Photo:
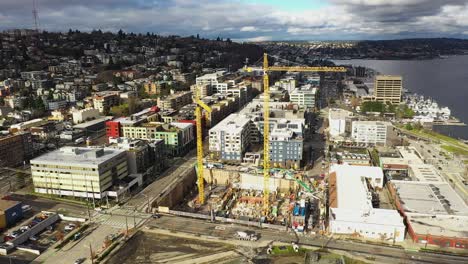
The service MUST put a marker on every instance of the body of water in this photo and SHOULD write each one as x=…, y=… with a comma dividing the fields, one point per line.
x=445, y=80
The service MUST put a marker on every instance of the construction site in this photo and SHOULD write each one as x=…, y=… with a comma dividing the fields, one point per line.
x=237, y=192
x=255, y=186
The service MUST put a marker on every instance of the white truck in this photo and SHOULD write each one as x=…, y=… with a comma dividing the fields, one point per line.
x=241, y=235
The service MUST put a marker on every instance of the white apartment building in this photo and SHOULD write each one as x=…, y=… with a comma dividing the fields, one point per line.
x=230, y=138
x=79, y=172
x=212, y=80
x=80, y=116
x=370, y=132
x=304, y=96
x=289, y=84
x=337, y=121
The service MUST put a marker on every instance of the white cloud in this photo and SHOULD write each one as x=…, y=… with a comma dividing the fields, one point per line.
x=248, y=29
x=239, y=20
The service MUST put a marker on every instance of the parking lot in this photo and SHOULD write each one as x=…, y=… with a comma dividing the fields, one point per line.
x=40, y=241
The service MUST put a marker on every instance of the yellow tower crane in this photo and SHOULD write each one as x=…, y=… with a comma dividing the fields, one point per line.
x=266, y=116
x=198, y=115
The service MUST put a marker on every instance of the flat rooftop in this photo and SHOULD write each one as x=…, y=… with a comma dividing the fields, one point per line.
x=430, y=198
x=6, y=204
x=447, y=226
x=425, y=173
x=351, y=188
x=337, y=113
x=350, y=200
x=92, y=122
x=80, y=156
x=234, y=123
x=410, y=154
x=375, y=216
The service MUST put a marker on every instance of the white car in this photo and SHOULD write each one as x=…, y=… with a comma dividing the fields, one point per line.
x=69, y=227
x=26, y=208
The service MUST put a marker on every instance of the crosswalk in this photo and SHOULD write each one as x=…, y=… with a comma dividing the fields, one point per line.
x=123, y=217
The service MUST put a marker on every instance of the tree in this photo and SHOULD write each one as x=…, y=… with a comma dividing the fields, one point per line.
x=120, y=110
x=373, y=107
x=132, y=105
x=354, y=102
x=20, y=179
x=408, y=126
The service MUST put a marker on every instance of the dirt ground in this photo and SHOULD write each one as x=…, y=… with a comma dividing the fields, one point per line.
x=152, y=248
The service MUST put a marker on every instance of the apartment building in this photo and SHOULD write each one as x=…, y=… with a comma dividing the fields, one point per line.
x=213, y=80
x=15, y=149
x=388, y=88
x=286, y=148
x=288, y=84
x=337, y=121
x=146, y=157
x=175, y=100
x=79, y=172
x=203, y=90
x=80, y=116
x=304, y=96
x=155, y=88
x=103, y=101
x=230, y=138
x=178, y=137
x=370, y=132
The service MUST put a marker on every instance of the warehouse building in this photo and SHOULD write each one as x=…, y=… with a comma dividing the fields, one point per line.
x=10, y=213
x=434, y=212
x=351, y=209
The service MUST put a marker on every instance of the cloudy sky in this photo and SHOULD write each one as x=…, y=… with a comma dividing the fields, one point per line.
x=249, y=19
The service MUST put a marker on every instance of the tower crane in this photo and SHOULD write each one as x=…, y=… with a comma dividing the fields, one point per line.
x=198, y=115
x=266, y=117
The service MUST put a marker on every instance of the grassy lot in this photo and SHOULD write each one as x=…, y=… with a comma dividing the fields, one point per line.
x=455, y=150
x=288, y=250
x=456, y=147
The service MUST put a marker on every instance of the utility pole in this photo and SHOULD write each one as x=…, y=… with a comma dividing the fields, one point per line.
x=91, y=254
x=126, y=225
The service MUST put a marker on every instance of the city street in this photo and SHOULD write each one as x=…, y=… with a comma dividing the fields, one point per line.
x=450, y=168
x=383, y=254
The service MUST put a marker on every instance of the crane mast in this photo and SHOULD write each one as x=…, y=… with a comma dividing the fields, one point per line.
x=266, y=135
x=199, y=130
x=266, y=118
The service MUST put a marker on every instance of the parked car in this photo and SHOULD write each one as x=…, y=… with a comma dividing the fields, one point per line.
x=69, y=227
x=26, y=208
x=77, y=236
x=156, y=216
x=15, y=234
x=79, y=261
